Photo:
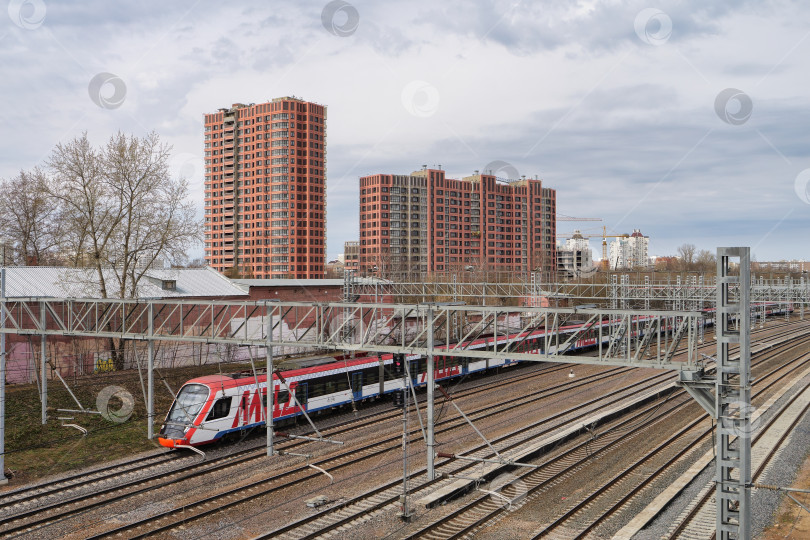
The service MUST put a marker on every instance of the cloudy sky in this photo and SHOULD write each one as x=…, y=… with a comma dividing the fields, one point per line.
x=688, y=121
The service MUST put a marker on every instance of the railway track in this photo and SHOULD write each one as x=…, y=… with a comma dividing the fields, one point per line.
x=578, y=520
x=15, y=503
x=378, y=498
x=698, y=519
x=277, y=483
x=59, y=506
x=94, y=476
x=553, y=470
x=16, y=498
x=194, y=469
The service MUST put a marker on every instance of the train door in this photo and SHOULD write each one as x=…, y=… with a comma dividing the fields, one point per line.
x=357, y=384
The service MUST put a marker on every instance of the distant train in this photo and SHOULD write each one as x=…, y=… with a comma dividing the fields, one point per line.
x=210, y=408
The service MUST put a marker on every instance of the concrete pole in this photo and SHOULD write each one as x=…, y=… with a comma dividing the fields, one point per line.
x=150, y=382
x=406, y=382
x=3, y=479
x=150, y=379
x=271, y=394
x=431, y=383
x=44, y=377
x=43, y=366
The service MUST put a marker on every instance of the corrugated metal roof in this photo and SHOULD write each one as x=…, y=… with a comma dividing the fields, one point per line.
x=57, y=282
x=338, y=282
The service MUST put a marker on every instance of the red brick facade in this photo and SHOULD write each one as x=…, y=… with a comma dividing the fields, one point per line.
x=265, y=189
x=414, y=224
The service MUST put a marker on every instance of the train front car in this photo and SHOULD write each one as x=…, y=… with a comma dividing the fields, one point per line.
x=184, y=416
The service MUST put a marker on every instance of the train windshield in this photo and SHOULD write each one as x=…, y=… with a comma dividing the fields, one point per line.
x=189, y=401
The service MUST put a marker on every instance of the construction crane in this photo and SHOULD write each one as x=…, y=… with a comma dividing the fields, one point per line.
x=604, y=236
x=563, y=217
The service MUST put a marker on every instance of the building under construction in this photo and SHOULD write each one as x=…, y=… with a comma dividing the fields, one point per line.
x=424, y=222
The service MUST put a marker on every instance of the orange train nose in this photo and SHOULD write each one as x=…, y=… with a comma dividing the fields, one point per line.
x=171, y=443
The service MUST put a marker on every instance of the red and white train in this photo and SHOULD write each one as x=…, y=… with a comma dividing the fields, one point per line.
x=215, y=406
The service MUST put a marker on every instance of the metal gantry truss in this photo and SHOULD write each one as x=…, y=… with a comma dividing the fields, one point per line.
x=456, y=329
x=619, y=291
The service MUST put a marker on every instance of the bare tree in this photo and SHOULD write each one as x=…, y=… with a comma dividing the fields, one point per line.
x=706, y=261
x=29, y=219
x=686, y=252
x=127, y=213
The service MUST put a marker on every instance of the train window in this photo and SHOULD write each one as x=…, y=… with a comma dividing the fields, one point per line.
x=331, y=388
x=371, y=375
x=283, y=397
x=301, y=394
x=342, y=383
x=317, y=388
x=188, y=403
x=220, y=409
x=389, y=373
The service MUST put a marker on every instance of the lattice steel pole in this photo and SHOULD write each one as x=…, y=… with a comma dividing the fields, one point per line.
x=733, y=398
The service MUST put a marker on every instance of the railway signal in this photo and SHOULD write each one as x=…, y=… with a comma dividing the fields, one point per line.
x=399, y=399
x=399, y=364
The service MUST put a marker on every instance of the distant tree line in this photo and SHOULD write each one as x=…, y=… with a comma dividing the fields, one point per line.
x=688, y=259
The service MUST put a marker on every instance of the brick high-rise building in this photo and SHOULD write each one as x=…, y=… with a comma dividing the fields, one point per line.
x=424, y=222
x=265, y=189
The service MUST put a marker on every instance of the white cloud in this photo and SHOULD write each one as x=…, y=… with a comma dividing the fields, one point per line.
x=623, y=130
